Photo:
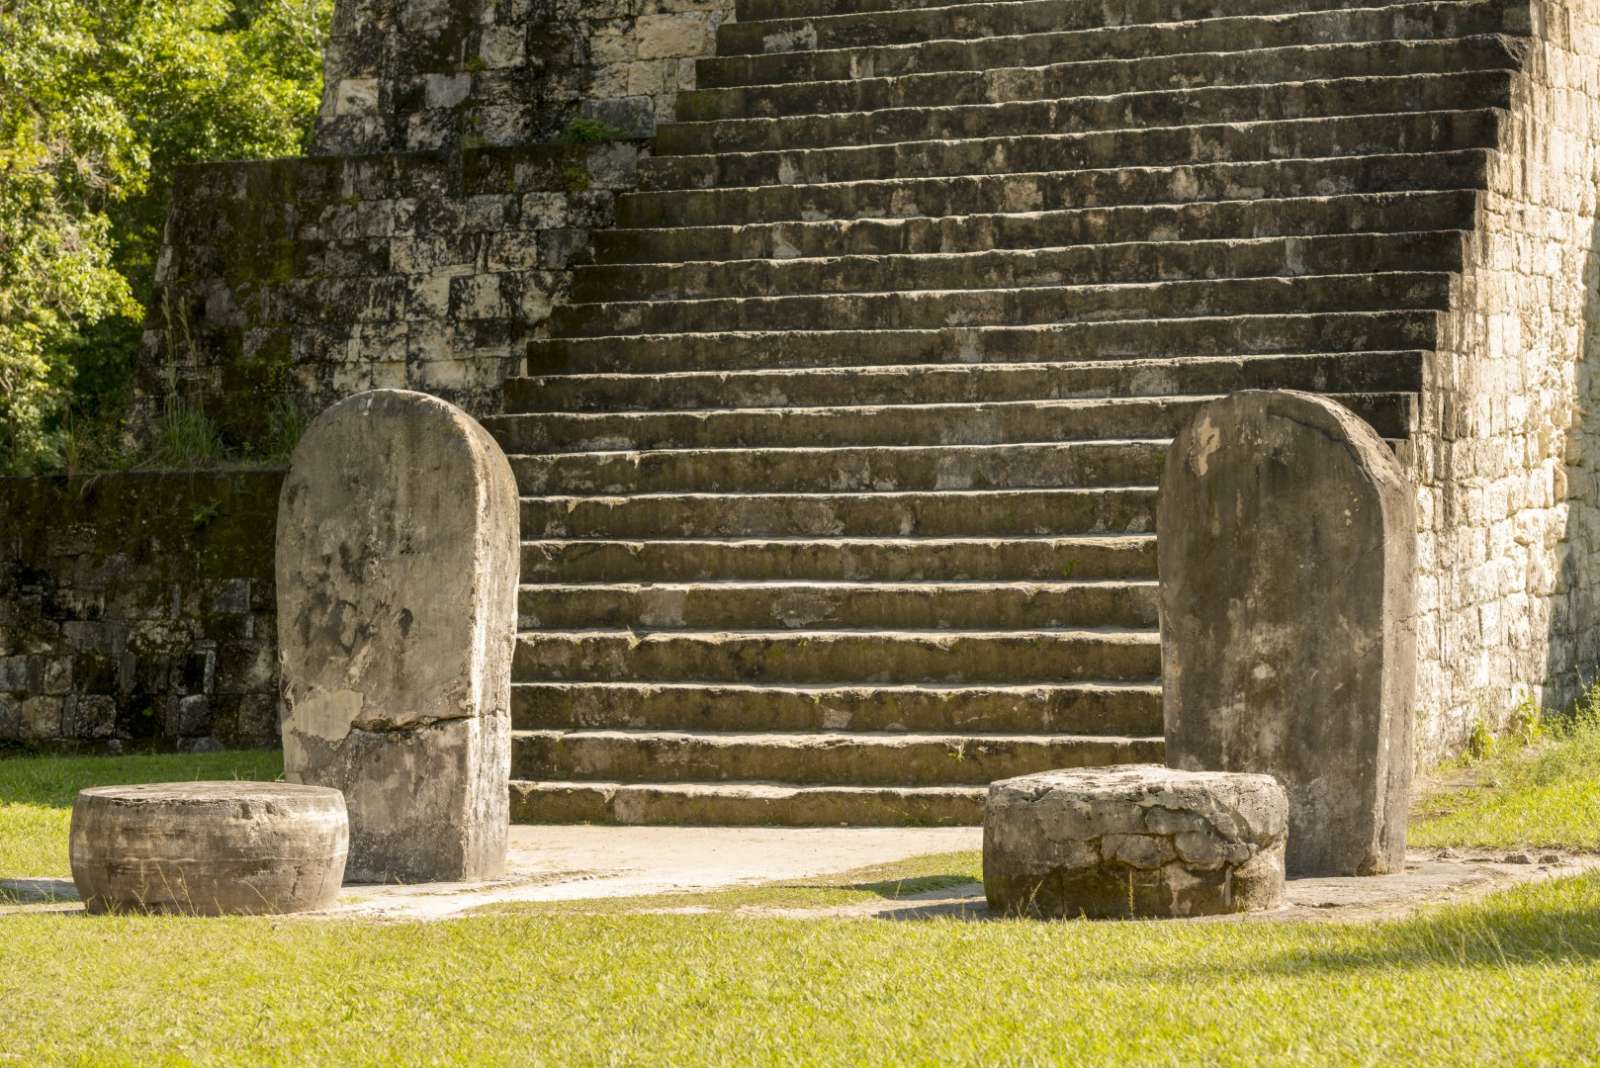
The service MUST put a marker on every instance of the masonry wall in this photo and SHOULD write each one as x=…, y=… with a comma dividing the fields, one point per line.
x=436, y=226
x=432, y=74
x=301, y=281
x=1508, y=458
x=139, y=608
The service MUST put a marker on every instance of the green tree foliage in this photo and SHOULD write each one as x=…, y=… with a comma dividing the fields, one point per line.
x=100, y=100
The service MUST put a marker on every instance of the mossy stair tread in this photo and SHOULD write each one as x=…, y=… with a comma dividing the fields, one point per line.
x=1104, y=77
x=1124, y=262
x=1395, y=22
x=1377, y=372
x=1275, y=101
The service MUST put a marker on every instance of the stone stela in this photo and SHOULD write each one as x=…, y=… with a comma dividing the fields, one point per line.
x=397, y=579
x=1287, y=553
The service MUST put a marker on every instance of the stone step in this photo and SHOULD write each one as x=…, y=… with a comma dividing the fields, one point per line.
x=760, y=10
x=745, y=804
x=1104, y=77
x=1033, y=211
x=1080, y=114
x=822, y=430
x=842, y=559
x=853, y=605
x=628, y=437
x=945, y=514
x=864, y=469
x=1222, y=335
x=1345, y=372
x=839, y=656
x=1122, y=262
x=1076, y=708
x=1418, y=21
x=1345, y=135
x=563, y=450
x=794, y=32
x=932, y=309
x=823, y=758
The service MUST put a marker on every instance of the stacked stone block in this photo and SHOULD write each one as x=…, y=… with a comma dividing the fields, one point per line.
x=308, y=280
x=138, y=608
x=432, y=74
x=1505, y=452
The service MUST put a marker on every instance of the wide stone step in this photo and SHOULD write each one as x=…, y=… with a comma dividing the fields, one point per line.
x=1069, y=708
x=1344, y=372
x=793, y=31
x=1081, y=113
x=839, y=656
x=822, y=430
x=1034, y=211
x=550, y=448
x=1357, y=135
x=942, y=514
x=821, y=758
x=841, y=559
x=1103, y=77
x=760, y=10
x=1138, y=261
x=933, y=309
x=745, y=804
x=855, y=605
x=871, y=468
x=1397, y=22
x=1270, y=198
x=1220, y=335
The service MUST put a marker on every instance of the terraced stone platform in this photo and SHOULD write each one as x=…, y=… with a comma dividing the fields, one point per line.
x=839, y=471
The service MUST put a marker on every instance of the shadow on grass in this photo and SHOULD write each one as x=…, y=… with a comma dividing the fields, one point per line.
x=1555, y=923
x=899, y=889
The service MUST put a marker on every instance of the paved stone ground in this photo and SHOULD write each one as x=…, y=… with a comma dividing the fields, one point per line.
x=560, y=863
x=574, y=863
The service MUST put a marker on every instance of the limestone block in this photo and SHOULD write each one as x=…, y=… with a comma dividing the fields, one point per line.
x=208, y=848
x=663, y=36
x=1286, y=551
x=1135, y=840
x=397, y=574
x=356, y=96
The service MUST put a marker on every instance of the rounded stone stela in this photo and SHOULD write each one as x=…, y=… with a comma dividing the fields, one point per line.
x=1134, y=841
x=209, y=848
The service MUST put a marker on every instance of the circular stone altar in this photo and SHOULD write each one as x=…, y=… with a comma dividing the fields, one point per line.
x=209, y=848
x=1135, y=840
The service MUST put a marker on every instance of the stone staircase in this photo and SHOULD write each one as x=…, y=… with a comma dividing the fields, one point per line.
x=839, y=470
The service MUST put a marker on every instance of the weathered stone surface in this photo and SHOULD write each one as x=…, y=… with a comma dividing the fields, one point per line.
x=209, y=848
x=504, y=73
x=138, y=605
x=1134, y=841
x=1287, y=553
x=300, y=282
x=397, y=575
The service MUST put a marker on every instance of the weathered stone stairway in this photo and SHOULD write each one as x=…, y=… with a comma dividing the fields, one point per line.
x=839, y=470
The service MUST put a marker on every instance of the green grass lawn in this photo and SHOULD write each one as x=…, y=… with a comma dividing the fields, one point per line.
x=1512, y=979
x=36, y=796
x=1542, y=795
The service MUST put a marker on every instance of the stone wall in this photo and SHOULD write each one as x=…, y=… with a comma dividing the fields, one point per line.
x=1506, y=458
x=306, y=280
x=138, y=607
x=432, y=74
